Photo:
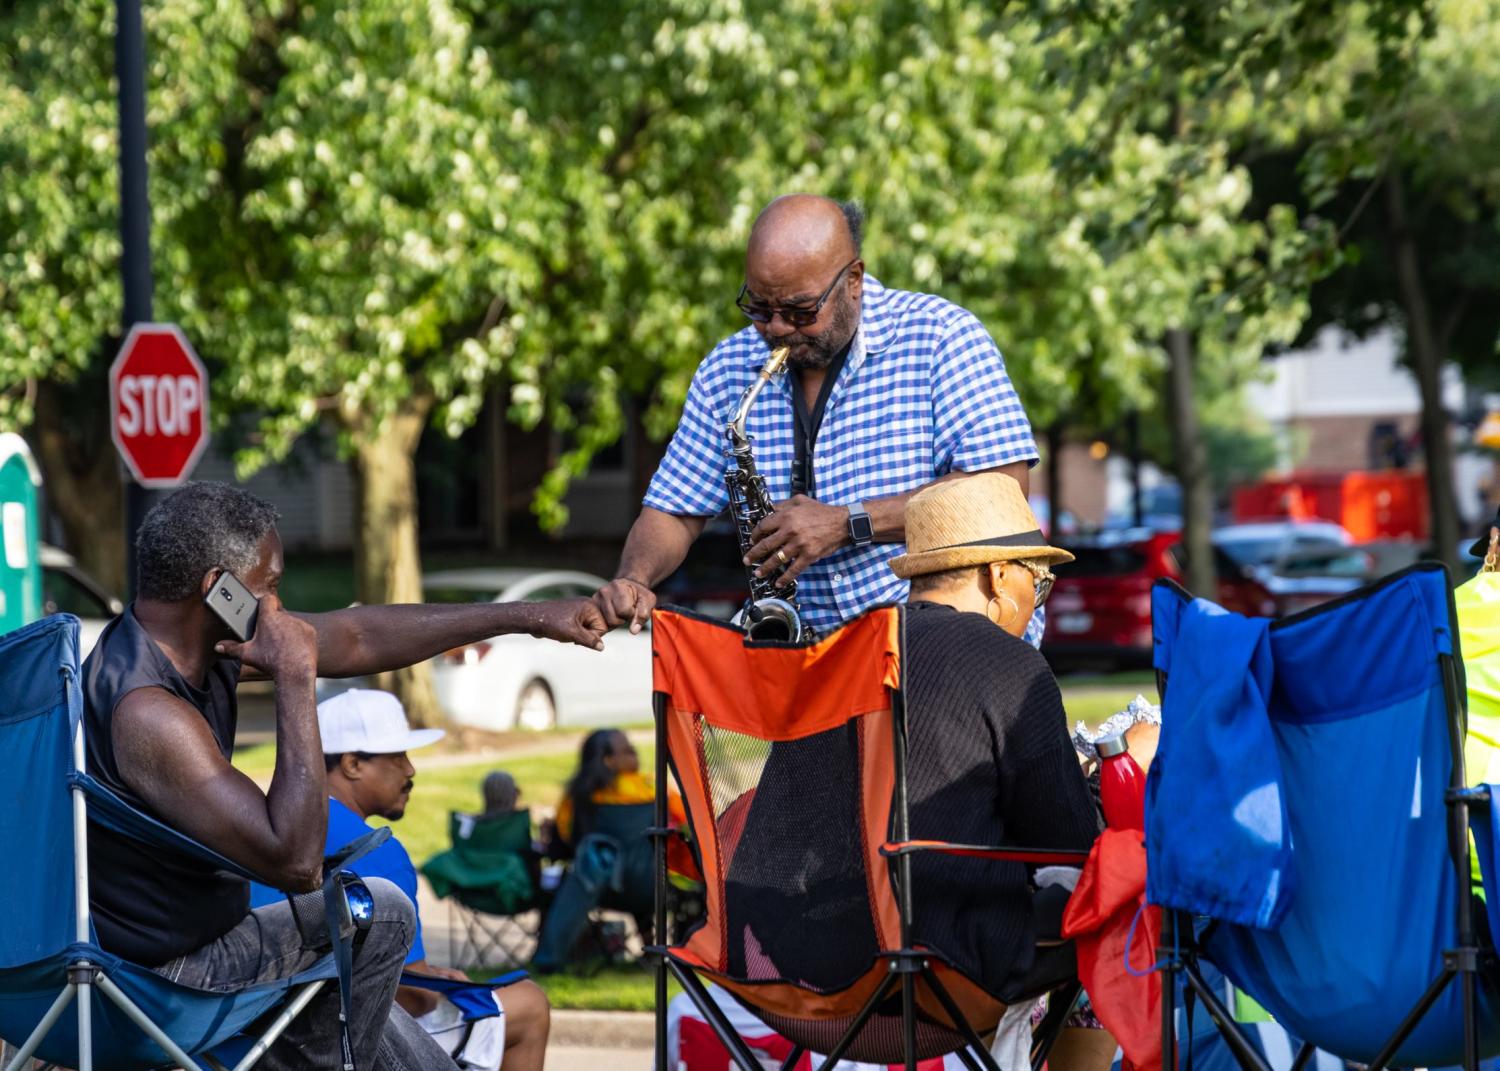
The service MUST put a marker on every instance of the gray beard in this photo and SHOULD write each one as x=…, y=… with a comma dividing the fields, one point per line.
x=817, y=353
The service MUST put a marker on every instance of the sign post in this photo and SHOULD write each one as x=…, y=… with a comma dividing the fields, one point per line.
x=158, y=405
x=135, y=219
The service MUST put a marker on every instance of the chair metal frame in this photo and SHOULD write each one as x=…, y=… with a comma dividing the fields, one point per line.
x=907, y=965
x=481, y=932
x=84, y=977
x=1181, y=947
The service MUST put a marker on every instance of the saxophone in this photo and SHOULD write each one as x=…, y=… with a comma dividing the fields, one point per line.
x=770, y=613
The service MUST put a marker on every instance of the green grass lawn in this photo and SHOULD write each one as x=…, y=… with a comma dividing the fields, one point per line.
x=626, y=988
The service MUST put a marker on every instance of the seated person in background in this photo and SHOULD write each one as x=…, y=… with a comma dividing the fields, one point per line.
x=612, y=865
x=365, y=740
x=492, y=864
x=989, y=762
x=160, y=706
x=501, y=794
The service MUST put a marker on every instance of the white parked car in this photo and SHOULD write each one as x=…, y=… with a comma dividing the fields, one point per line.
x=67, y=589
x=509, y=682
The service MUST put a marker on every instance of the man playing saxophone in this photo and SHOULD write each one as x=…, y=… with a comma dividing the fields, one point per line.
x=887, y=392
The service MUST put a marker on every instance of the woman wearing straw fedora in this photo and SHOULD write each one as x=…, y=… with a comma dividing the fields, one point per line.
x=974, y=545
x=991, y=758
x=989, y=761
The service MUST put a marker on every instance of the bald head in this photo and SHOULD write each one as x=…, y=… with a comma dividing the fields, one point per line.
x=804, y=248
x=805, y=226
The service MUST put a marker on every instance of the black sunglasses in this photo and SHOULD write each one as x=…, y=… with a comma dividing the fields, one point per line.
x=796, y=315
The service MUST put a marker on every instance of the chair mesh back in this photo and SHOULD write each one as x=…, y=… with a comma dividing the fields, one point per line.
x=796, y=889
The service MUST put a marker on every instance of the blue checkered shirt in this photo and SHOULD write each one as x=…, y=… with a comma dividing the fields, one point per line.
x=922, y=393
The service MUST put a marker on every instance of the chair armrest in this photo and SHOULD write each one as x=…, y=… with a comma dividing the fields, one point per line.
x=474, y=1000
x=1036, y=856
x=357, y=848
x=113, y=813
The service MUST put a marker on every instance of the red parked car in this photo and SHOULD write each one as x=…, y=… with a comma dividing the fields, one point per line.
x=1100, y=608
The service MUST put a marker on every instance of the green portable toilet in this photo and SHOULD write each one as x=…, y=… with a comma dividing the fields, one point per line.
x=20, y=567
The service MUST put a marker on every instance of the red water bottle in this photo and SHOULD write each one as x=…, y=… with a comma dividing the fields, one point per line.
x=1122, y=785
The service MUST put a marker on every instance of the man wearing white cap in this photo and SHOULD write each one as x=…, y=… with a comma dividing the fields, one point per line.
x=365, y=740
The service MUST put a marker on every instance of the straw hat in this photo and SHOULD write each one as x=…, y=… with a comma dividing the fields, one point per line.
x=971, y=521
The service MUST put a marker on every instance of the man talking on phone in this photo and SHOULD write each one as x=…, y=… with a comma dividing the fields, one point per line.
x=159, y=702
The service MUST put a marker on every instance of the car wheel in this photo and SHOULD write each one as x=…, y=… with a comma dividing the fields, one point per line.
x=535, y=708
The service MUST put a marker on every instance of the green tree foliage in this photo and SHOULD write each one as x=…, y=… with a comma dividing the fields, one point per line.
x=59, y=230
x=1411, y=178
x=1207, y=86
x=369, y=214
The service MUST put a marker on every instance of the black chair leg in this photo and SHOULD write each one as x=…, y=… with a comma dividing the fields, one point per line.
x=1413, y=1018
x=832, y=1059
x=1060, y=1005
x=976, y=1048
x=909, y=1019
x=1229, y=1030
x=966, y=1057
x=729, y=1037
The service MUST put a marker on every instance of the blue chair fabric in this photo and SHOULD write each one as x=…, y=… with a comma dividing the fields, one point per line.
x=40, y=709
x=474, y=1000
x=1362, y=716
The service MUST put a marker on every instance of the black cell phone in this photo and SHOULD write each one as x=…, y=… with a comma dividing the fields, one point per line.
x=232, y=603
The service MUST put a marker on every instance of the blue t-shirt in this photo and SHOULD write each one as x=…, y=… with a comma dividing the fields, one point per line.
x=388, y=861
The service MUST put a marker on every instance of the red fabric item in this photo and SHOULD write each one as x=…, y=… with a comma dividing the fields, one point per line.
x=699, y=1049
x=1109, y=894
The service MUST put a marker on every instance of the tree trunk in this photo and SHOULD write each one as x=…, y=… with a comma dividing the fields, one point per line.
x=1427, y=362
x=81, y=476
x=1054, y=440
x=1192, y=466
x=386, y=564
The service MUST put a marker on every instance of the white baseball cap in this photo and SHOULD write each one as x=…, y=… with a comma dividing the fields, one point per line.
x=368, y=720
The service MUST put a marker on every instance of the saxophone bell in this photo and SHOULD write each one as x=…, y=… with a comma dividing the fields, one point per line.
x=771, y=619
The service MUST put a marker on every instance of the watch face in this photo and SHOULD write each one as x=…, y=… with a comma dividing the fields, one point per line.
x=861, y=528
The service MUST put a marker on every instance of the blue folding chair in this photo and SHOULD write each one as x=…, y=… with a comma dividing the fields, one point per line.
x=49, y=954
x=1366, y=710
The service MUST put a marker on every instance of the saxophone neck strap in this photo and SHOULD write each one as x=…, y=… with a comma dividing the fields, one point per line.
x=808, y=423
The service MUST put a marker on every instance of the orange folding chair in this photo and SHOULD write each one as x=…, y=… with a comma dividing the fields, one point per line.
x=791, y=759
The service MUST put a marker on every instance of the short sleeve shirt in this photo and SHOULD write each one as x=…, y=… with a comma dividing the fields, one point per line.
x=924, y=392
x=388, y=861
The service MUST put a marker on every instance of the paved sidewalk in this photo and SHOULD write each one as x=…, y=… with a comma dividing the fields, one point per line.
x=600, y=1041
x=567, y=1058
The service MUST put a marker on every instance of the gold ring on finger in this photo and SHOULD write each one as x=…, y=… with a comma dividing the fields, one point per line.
x=781, y=557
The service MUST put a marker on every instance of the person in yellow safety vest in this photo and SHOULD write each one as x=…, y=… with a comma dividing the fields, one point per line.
x=1478, y=604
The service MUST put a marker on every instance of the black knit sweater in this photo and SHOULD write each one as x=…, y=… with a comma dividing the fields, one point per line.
x=990, y=763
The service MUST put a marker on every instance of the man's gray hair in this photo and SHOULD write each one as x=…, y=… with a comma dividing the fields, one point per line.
x=196, y=529
x=854, y=216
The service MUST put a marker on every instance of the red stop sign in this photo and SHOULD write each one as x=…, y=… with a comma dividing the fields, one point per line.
x=158, y=405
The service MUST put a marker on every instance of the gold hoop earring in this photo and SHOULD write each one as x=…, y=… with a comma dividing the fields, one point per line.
x=1492, y=559
x=1000, y=619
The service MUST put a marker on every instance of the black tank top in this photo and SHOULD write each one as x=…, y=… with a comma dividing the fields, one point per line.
x=151, y=905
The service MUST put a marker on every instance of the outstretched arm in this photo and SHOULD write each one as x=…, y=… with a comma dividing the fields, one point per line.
x=656, y=545
x=373, y=639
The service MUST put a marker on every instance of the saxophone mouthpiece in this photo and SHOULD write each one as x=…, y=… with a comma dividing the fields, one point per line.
x=776, y=362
